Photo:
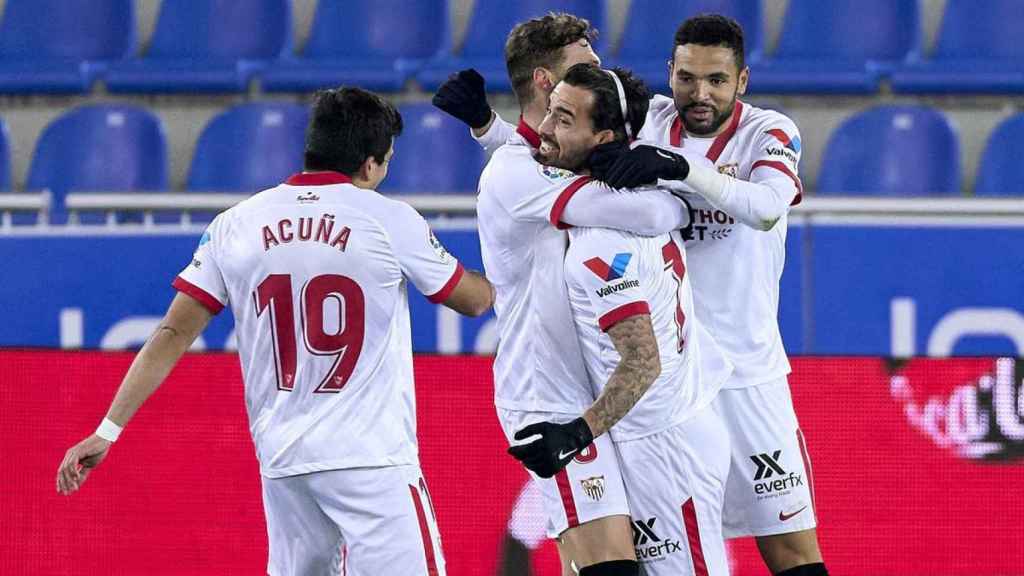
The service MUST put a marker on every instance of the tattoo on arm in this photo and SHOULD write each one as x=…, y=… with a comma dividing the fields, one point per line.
x=639, y=367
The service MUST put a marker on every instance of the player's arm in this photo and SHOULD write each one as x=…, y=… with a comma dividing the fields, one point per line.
x=473, y=295
x=184, y=321
x=639, y=366
x=463, y=96
x=647, y=211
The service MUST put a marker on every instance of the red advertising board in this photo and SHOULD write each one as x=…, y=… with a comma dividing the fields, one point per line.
x=918, y=469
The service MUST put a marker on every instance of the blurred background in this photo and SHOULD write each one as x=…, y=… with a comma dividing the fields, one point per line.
x=125, y=125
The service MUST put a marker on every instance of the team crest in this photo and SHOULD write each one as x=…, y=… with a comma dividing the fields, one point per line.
x=593, y=487
x=553, y=173
x=731, y=169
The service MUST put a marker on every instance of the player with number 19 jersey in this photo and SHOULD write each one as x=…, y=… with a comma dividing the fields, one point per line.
x=314, y=270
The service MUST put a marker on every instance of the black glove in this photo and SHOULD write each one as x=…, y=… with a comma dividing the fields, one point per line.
x=644, y=165
x=604, y=156
x=555, y=448
x=463, y=97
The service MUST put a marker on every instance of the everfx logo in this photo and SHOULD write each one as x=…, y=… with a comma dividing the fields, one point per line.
x=649, y=546
x=643, y=532
x=767, y=465
x=608, y=272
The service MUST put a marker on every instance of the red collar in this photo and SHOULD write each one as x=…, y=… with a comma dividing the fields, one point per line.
x=529, y=134
x=675, y=133
x=317, y=179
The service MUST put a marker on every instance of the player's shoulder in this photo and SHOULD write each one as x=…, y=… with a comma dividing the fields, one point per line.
x=514, y=167
x=762, y=120
x=661, y=111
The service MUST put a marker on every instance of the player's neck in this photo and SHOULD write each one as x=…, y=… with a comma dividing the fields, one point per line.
x=533, y=115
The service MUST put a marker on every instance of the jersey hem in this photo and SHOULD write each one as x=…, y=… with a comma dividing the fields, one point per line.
x=733, y=382
x=332, y=465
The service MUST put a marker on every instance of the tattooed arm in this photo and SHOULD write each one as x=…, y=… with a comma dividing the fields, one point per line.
x=639, y=366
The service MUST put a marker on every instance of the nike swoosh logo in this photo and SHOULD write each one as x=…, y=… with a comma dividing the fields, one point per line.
x=564, y=455
x=663, y=155
x=783, y=517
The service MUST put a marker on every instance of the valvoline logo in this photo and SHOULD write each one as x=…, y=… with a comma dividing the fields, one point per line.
x=791, y=143
x=606, y=272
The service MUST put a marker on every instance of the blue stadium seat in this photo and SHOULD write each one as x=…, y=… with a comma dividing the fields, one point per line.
x=377, y=45
x=5, y=158
x=484, y=45
x=892, y=151
x=651, y=26
x=979, y=49
x=1001, y=172
x=59, y=46
x=435, y=153
x=249, y=148
x=99, y=148
x=839, y=46
x=207, y=46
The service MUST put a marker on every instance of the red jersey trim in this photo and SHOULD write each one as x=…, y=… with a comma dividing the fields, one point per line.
x=529, y=134
x=449, y=286
x=428, y=540
x=700, y=566
x=317, y=179
x=197, y=293
x=621, y=313
x=675, y=133
x=785, y=170
x=563, y=200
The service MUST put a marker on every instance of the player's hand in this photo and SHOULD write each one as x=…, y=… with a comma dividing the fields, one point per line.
x=604, y=156
x=557, y=445
x=463, y=97
x=79, y=461
x=645, y=165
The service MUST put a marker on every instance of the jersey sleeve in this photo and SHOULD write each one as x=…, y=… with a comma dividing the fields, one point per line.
x=605, y=264
x=777, y=152
x=202, y=278
x=424, y=260
x=498, y=133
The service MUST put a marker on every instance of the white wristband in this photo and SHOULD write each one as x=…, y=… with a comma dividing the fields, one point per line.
x=108, y=430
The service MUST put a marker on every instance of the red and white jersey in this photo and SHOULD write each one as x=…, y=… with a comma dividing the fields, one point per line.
x=615, y=275
x=315, y=272
x=736, y=269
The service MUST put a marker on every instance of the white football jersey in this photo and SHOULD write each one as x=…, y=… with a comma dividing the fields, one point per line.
x=314, y=271
x=736, y=269
x=615, y=275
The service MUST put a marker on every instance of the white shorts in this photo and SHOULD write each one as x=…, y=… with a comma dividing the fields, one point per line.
x=590, y=487
x=372, y=520
x=675, y=481
x=770, y=484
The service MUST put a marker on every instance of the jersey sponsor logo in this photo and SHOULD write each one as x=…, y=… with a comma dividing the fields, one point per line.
x=708, y=224
x=771, y=479
x=307, y=198
x=608, y=272
x=649, y=546
x=205, y=238
x=593, y=487
x=792, y=144
x=552, y=173
x=563, y=455
x=783, y=516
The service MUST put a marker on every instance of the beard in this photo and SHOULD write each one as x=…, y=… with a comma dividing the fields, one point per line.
x=573, y=161
x=703, y=129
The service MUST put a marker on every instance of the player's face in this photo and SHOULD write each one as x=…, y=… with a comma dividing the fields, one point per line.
x=567, y=134
x=705, y=83
x=377, y=172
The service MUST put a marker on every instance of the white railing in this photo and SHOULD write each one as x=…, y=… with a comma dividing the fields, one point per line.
x=842, y=209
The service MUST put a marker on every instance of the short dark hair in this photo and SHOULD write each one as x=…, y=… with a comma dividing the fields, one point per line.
x=347, y=126
x=712, y=30
x=606, y=114
x=537, y=43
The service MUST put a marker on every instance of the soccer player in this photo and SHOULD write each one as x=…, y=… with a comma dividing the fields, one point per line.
x=539, y=372
x=655, y=367
x=744, y=185
x=315, y=271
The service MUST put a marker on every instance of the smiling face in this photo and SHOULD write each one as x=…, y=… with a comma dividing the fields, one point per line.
x=567, y=133
x=705, y=83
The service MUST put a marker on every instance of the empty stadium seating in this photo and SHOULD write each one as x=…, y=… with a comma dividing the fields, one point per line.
x=979, y=50
x=892, y=151
x=59, y=46
x=839, y=46
x=206, y=46
x=486, y=32
x=1001, y=172
x=5, y=158
x=377, y=45
x=647, y=39
x=99, y=148
x=435, y=153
